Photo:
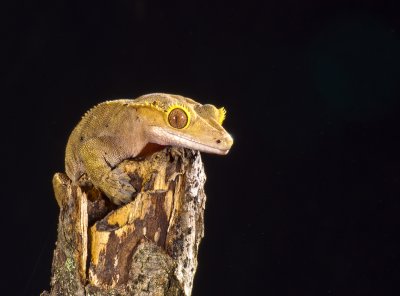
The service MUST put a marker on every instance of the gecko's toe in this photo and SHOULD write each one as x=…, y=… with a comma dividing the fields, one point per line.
x=118, y=188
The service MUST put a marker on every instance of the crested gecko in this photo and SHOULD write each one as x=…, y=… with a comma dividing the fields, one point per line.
x=121, y=129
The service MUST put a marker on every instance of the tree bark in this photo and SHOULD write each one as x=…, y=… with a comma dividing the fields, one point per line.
x=146, y=247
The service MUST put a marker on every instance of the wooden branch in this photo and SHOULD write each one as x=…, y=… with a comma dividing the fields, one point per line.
x=146, y=247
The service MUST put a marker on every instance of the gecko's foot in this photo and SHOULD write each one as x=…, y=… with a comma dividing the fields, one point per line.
x=117, y=187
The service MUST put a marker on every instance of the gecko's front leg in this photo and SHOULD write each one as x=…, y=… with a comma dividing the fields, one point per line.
x=100, y=157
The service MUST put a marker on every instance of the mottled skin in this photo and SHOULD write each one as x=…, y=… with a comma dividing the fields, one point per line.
x=117, y=130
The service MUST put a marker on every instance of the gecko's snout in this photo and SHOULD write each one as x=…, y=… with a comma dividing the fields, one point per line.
x=224, y=144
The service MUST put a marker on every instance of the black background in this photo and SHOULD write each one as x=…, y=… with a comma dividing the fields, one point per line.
x=307, y=201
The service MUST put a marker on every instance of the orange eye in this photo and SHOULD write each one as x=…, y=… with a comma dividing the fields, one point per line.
x=178, y=118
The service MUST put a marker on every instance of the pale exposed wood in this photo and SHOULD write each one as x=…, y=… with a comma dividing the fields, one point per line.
x=146, y=247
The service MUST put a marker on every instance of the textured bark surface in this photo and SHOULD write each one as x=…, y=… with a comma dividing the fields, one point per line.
x=146, y=247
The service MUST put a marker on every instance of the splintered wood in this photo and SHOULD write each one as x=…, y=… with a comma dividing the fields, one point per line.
x=146, y=247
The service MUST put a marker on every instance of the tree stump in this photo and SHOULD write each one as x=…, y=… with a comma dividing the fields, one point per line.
x=146, y=247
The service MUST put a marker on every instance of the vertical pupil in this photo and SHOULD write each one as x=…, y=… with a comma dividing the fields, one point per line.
x=177, y=118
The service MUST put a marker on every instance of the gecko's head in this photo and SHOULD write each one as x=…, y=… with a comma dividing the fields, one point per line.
x=179, y=121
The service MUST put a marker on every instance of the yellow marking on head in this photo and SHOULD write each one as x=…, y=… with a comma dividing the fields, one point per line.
x=181, y=107
x=153, y=105
x=222, y=115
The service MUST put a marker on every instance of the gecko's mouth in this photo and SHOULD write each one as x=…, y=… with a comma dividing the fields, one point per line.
x=164, y=138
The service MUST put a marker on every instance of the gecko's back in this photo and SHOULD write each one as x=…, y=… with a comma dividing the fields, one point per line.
x=97, y=122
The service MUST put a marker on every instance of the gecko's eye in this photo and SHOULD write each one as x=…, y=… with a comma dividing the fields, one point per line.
x=178, y=118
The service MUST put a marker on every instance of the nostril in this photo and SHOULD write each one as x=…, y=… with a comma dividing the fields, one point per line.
x=218, y=141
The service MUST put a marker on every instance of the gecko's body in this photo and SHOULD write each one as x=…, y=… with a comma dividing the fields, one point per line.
x=117, y=130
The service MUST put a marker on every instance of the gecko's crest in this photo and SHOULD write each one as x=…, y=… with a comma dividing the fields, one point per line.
x=222, y=115
x=153, y=105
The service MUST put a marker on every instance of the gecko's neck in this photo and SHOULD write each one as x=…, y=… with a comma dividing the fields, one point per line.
x=149, y=149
